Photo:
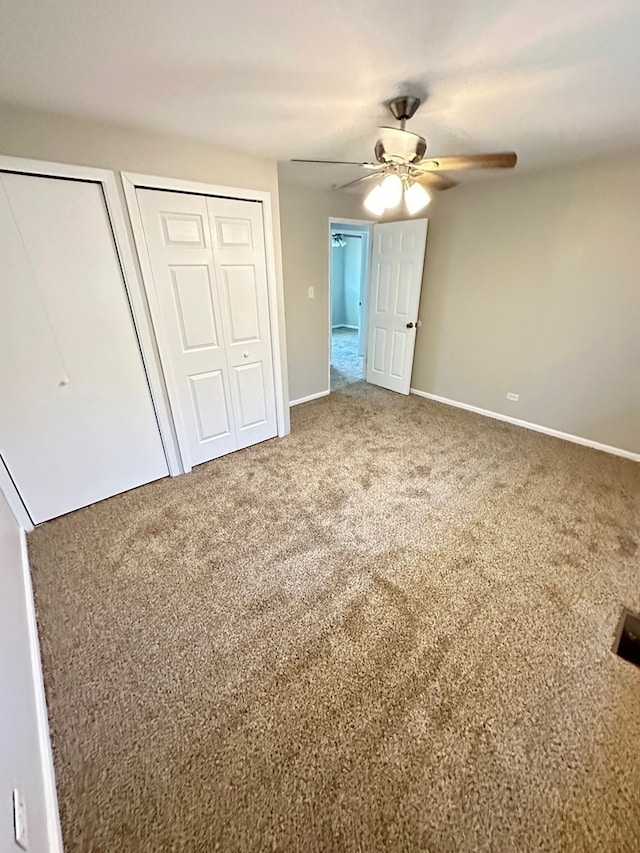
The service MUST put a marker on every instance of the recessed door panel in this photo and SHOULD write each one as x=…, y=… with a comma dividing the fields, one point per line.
x=182, y=229
x=398, y=351
x=385, y=242
x=210, y=405
x=251, y=393
x=383, y=283
x=379, y=345
x=403, y=290
x=234, y=233
x=240, y=290
x=194, y=306
x=408, y=241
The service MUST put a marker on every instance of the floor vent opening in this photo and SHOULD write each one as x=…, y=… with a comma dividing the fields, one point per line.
x=627, y=645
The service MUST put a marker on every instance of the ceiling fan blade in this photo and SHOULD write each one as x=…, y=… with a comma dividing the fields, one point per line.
x=502, y=160
x=433, y=181
x=360, y=180
x=339, y=163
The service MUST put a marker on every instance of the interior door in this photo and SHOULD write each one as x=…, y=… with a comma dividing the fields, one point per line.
x=77, y=423
x=394, y=296
x=207, y=256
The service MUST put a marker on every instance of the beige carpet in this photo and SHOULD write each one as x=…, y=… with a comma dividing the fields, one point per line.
x=346, y=365
x=390, y=631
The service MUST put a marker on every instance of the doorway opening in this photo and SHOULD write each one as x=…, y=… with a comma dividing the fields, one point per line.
x=349, y=246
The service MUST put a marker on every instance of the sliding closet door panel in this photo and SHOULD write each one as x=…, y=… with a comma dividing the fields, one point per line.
x=237, y=232
x=178, y=242
x=77, y=422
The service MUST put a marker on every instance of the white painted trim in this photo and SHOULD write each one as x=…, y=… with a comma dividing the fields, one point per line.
x=135, y=217
x=130, y=182
x=14, y=499
x=367, y=226
x=54, y=832
x=309, y=398
x=48, y=169
x=135, y=292
x=565, y=436
x=157, y=182
x=340, y=220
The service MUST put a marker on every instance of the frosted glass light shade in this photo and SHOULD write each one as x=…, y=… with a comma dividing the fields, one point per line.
x=374, y=202
x=391, y=190
x=416, y=198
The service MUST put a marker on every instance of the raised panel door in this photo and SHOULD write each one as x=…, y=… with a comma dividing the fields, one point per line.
x=239, y=253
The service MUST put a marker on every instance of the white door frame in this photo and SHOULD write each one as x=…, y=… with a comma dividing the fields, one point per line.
x=137, y=304
x=367, y=225
x=133, y=180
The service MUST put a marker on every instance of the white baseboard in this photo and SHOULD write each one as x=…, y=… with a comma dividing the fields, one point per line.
x=54, y=832
x=565, y=436
x=308, y=399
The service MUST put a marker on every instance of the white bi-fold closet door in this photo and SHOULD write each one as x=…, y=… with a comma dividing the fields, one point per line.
x=77, y=423
x=210, y=306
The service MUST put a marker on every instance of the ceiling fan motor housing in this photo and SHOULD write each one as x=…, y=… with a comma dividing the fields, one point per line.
x=399, y=146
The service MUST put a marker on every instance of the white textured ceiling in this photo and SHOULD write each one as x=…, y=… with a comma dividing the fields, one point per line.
x=554, y=80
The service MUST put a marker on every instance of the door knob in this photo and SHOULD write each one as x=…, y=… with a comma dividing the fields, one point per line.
x=409, y=325
x=246, y=355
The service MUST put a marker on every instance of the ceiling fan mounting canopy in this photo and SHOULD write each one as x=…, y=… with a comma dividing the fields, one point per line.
x=404, y=107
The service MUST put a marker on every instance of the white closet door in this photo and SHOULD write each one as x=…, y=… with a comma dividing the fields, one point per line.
x=239, y=254
x=193, y=356
x=207, y=257
x=77, y=422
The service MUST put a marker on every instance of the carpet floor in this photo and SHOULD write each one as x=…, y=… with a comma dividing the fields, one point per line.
x=389, y=631
x=347, y=366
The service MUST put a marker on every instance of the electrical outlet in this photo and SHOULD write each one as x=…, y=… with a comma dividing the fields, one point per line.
x=20, y=819
x=311, y=293
x=513, y=397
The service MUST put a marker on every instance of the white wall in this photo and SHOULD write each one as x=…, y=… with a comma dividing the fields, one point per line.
x=532, y=285
x=21, y=763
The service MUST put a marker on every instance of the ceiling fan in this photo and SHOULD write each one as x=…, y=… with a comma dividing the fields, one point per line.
x=401, y=166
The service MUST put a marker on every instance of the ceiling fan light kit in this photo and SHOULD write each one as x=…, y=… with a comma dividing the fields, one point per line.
x=374, y=201
x=401, y=165
x=391, y=187
x=388, y=194
x=416, y=198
